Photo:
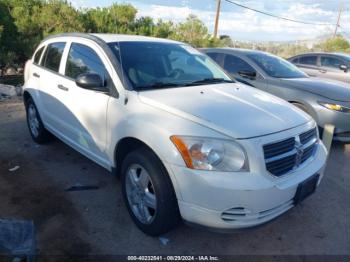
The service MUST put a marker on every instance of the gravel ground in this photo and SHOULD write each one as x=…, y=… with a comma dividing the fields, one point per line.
x=96, y=221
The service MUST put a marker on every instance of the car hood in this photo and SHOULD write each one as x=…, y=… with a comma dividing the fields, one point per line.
x=232, y=109
x=331, y=89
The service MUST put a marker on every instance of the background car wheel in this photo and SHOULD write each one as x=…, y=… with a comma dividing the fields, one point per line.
x=36, y=128
x=148, y=193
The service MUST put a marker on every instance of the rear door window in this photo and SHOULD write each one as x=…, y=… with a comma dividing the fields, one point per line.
x=53, y=55
x=308, y=60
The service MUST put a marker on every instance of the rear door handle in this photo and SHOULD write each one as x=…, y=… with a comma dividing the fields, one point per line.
x=323, y=71
x=62, y=87
x=36, y=75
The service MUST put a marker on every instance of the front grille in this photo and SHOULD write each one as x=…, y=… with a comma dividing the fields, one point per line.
x=286, y=155
x=307, y=136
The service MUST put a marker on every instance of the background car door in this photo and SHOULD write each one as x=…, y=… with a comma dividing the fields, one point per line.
x=239, y=69
x=86, y=120
x=309, y=64
x=53, y=107
x=330, y=67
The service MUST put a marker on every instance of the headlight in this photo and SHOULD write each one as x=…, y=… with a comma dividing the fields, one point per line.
x=335, y=107
x=211, y=154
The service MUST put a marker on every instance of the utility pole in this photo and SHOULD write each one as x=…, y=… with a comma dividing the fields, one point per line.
x=338, y=20
x=218, y=5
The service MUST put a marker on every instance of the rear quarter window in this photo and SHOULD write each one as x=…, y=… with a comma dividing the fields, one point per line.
x=53, y=55
x=37, y=55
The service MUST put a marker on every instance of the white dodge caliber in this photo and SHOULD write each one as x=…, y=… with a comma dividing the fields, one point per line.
x=186, y=140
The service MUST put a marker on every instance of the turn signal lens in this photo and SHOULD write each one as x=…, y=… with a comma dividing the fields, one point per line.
x=335, y=107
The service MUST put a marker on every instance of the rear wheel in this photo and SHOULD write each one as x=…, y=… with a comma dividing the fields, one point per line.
x=148, y=193
x=36, y=128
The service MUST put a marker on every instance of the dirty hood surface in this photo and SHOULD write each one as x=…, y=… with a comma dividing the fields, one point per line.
x=233, y=109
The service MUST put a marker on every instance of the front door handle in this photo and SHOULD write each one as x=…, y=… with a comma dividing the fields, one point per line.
x=62, y=87
x=322, y=71
x=36, y=75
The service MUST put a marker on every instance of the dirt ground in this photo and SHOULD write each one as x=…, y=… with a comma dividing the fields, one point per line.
x=96, y=221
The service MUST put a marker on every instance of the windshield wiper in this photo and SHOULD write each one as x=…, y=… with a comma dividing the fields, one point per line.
x=209, y=81
x=157, y=85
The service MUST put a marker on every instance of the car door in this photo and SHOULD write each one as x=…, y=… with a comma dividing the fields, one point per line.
x=331, y=68
x=243, y=72
x=309, y=64
x=33, y=76
x=86, y=121
x=52, y=108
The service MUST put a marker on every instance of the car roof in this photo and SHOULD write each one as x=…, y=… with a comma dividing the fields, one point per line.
x=235, y=50
x=110, y=38
x=322, y=53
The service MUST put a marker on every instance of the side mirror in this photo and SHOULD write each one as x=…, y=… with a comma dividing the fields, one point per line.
x=247, y=74
x=90, y=81
x=344, y=68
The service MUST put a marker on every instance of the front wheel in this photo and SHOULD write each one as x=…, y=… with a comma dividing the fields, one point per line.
x=148, y=193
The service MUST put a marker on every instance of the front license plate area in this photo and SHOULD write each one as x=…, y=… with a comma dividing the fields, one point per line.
x=306, y=188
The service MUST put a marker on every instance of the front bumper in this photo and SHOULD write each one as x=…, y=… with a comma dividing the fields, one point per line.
x=341, y=122
x=224, y=200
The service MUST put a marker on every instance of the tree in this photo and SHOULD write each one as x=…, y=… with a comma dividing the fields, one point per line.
x=118, y=18
x=336, y=44
x=144, y=26
x=58, y=16
x=8, y=37
x=164, y=29
x=192, y=31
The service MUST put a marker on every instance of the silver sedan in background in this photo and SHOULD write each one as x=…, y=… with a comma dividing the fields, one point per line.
x=327, y=101
x=325, y=65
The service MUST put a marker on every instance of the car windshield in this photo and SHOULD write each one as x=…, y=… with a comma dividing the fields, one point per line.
x=345, y=57
x=276, y=67
x=155, y=65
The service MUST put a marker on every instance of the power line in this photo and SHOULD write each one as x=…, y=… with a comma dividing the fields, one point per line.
x=276, y=16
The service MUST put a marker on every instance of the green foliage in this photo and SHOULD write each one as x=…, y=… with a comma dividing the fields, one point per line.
x=164, y=29
x=336, y=44
x=8, y=36
x=58, y=16
x=118, y=18
x=192, y=31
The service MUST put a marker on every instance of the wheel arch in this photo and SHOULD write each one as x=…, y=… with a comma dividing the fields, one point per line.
x=307, y=108
x=26, y=97
x=126, y=145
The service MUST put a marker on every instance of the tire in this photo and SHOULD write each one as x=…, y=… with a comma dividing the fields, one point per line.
x=159, y=213
x=35, y=125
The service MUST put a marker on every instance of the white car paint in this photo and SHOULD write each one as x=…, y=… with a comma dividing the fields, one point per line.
x=93, y=123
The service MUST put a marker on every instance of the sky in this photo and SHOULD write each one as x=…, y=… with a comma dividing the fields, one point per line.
x=245, y=25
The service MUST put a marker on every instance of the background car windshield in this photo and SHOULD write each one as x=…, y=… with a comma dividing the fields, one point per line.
x=150, y=65
x=276, y=67
x=345, y=57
